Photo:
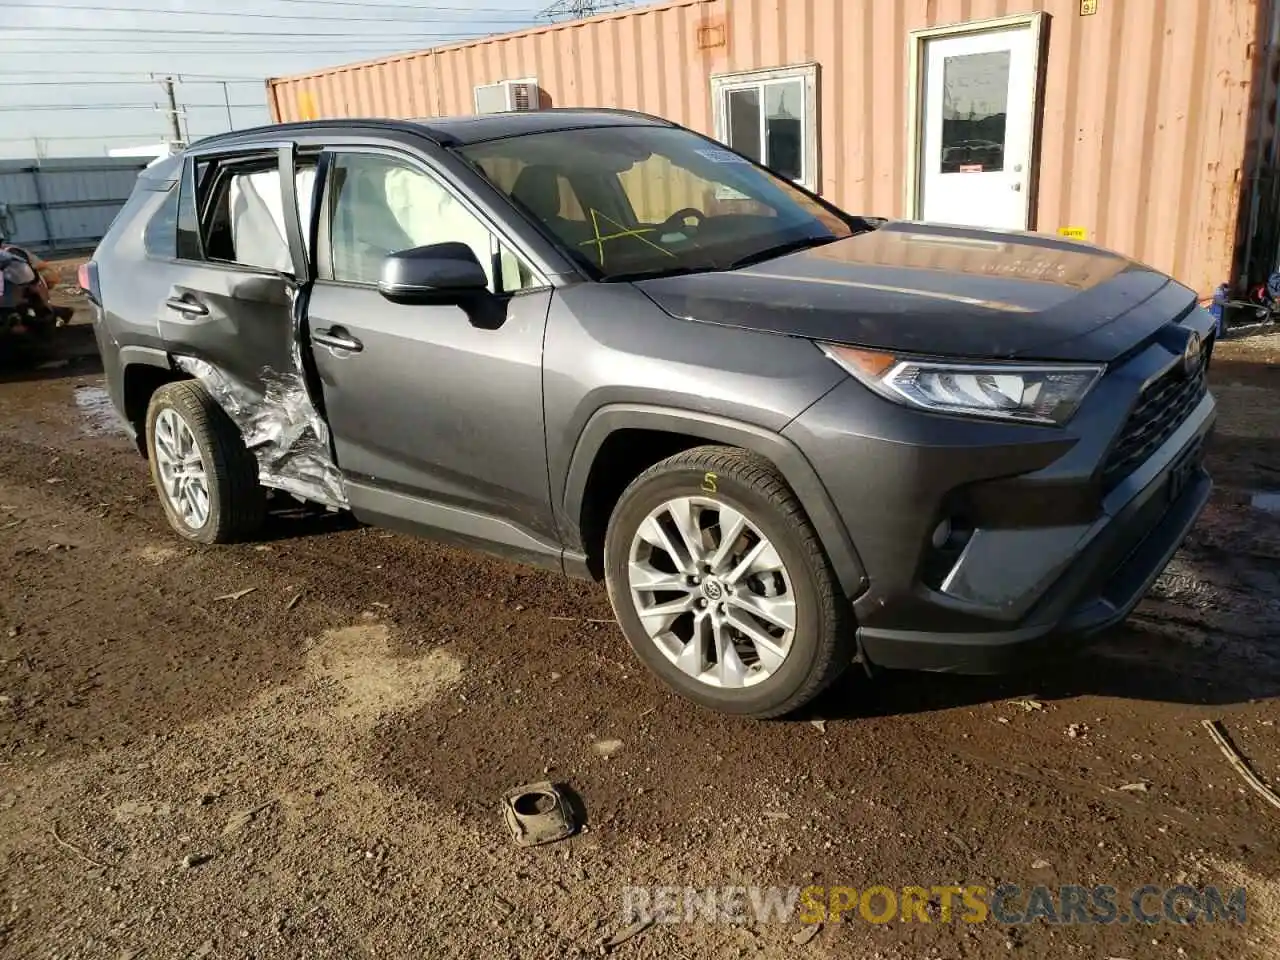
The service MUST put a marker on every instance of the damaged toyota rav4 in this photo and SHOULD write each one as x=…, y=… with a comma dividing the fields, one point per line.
x=787, y=438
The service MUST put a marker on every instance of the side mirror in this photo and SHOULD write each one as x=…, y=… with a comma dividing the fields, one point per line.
x=436, y=273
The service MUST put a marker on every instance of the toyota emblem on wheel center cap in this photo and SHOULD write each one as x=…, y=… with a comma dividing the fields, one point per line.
x=712, y=589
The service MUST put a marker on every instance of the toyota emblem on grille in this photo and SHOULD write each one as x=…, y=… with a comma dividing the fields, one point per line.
x=1191, y=355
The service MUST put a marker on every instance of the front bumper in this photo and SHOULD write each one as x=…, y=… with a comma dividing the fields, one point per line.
x=1052, y=557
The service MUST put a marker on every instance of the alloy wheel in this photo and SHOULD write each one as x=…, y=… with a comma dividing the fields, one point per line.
x=712, y=592
x=181, y=468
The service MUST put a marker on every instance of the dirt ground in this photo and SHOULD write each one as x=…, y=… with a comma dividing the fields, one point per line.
x=295, y=748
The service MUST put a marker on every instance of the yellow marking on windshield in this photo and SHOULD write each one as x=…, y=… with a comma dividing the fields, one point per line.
x=597, y=216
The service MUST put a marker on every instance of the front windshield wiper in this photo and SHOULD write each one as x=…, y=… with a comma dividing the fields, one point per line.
x=769, y=253
x=657, y=272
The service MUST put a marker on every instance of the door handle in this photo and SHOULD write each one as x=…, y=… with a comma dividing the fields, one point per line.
x=189, y=307
x=1015, y=187
x=337, y=338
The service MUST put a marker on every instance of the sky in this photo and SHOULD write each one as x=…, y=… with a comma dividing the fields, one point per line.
x=75, y=75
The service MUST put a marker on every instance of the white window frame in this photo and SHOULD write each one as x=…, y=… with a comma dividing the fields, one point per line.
x=810, y=160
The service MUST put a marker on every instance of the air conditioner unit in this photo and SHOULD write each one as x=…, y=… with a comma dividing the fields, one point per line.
x=507, y=95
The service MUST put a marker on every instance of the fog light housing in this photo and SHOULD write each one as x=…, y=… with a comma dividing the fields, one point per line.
x=946, y=544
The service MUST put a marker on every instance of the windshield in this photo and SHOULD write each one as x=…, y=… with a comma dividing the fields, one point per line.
x=629, y=202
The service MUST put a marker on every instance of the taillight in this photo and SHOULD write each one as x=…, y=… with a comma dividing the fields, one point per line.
x=87, y=278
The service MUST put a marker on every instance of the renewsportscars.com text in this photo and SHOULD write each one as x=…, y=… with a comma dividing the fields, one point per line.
x=1006, y=904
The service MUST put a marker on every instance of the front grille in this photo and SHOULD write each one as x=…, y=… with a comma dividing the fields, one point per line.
x=1163, y=406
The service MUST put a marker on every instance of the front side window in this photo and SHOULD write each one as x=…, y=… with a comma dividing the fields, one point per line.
x=381, y=205
x=771, y=117
x=629, y=201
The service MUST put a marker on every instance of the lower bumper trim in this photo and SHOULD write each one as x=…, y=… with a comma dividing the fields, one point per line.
x=1007, y=650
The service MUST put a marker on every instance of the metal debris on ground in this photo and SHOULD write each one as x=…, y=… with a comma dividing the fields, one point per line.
x=53, y=832
x=819, y=725
x=1134, y=787
x=625, y=934
x=237, y=595
x=807, y=934
x=1238, y=763
x=606, y=748
x=241, y=819
x=537, y=813
x=1026, y=703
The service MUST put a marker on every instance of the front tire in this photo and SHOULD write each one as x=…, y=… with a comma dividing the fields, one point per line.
x=721, y=585
x=206, y=478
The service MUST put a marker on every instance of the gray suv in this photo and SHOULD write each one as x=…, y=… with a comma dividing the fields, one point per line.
x=787, y=438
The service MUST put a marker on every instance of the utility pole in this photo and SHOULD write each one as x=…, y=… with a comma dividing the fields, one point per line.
x=175, y=128
x=226, y=98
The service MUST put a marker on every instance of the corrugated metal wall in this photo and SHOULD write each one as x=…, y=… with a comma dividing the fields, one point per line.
x=1146, y=103
x=64, y=204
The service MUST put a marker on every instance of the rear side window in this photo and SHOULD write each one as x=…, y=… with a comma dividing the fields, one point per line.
x=161, y=234
x=232, y=211
x=244, y=218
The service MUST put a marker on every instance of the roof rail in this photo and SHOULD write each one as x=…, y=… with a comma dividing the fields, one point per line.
x=300, y=126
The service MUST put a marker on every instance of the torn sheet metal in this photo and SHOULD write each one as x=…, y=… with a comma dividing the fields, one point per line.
x=281, y=426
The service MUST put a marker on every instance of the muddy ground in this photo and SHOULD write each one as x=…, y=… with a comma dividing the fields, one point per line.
x=311, y=768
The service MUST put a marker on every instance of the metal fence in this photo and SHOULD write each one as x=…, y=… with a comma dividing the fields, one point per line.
x=68, y=204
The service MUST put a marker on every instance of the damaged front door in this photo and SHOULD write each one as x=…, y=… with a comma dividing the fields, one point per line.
x=229, y=316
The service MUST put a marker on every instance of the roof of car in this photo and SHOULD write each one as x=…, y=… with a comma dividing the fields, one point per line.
x=454, y=131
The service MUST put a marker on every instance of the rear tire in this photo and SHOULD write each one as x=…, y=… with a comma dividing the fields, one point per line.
x=206, y=478
x=719, y=651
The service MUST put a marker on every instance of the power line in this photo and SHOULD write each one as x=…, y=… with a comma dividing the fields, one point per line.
x=112, y=106
x=427, y=16
x=80, y=136
x=107, y=83
x=390, y=6
x=239, y=34
x=217, y=44
x=361, y=52
x=216, y=77
x=387, y=47
x=580, y=9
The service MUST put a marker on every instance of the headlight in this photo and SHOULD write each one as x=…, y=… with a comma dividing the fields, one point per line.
x=1038, y=393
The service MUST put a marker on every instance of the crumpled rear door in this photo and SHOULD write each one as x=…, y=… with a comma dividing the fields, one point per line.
x=233, y=311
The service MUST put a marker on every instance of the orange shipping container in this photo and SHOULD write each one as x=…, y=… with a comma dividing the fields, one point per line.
x=1147, y=126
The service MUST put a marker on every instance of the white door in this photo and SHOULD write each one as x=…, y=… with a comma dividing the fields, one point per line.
x=979, y=100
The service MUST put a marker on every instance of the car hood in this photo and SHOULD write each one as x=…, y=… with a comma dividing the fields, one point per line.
x=942, y=291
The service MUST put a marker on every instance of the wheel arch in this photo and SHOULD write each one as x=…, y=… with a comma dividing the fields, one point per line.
x=143, y=371
x=688, y=429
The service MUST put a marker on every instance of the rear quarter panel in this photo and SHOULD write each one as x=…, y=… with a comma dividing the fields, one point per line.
x=132, y=286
